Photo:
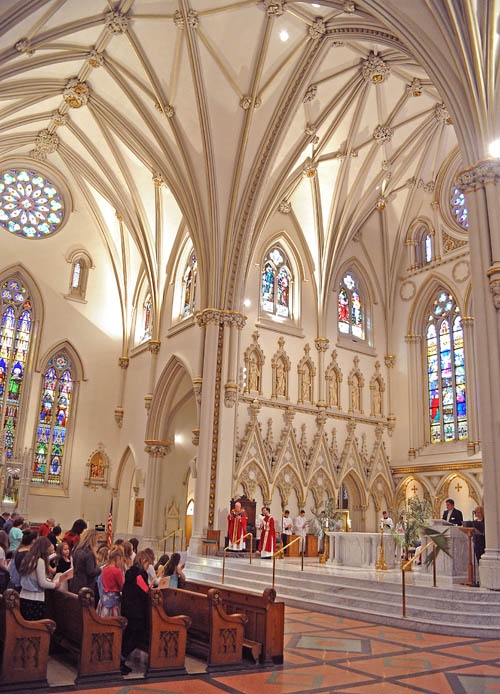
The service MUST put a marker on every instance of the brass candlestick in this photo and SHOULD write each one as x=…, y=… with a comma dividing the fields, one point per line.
x=381, y=564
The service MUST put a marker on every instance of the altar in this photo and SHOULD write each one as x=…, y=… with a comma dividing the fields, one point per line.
x=361, y=549
x=449, y=569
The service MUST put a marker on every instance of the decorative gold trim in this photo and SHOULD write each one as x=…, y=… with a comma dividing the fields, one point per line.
x=441, y=467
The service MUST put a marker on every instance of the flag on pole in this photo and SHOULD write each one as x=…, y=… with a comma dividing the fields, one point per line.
x=109, y=525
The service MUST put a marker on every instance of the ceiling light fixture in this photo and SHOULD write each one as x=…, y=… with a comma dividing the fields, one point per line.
x=284, y=36
x=494, y=149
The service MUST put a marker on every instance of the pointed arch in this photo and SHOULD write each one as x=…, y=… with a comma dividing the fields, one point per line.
x=420, y=240
x=173, y=388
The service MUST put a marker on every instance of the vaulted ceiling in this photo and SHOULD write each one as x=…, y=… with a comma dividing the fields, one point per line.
x=209, y=117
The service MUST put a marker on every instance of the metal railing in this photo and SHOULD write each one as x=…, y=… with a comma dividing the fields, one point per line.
x=227, y=548
x=281, y=552
x=173, y=534
x=406, y=566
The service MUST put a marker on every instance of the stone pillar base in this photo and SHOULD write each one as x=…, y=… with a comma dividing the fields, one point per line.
x=195, y=546
x=489, y=570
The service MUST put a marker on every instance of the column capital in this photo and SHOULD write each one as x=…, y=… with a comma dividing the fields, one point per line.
x=322, y=344
x=123, y=362
x=157, y=449
x=476, y=176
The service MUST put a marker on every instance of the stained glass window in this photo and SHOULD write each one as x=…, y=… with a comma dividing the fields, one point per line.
x=147, y=308
x=15, y=334
x=53, y=420
x=75, y=281
x=30, y=205
x=458, y=208
x=189, y=286
x=276, y=283
x=446, y=371
x=427, y=248
x=350, y=308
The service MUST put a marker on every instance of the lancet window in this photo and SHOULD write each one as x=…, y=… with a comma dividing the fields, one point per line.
x=189, y=282
x=446, y=370
x=53, y=420
x=15, y=337
x=276, y=284
x=351, y=308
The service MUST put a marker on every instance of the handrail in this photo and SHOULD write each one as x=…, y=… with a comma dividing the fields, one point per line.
x=250, y=535
x=281, y=552
x=170, y=534
x=406, y=563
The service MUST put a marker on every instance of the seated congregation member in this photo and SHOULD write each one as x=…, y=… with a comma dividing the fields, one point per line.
x=29, y=536
x=85, y=565
x=35, y=572
x=152, y=577
x=173, y=573
x=135, y=546
x=72, y=537
x=161, y=564
x=112, y=580
x=135, y=608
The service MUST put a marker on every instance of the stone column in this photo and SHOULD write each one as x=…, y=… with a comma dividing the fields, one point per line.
x=321, y=345
x=390, y=362
x=152, y=509
x=123, y=363
x=416, y=437
x=471, y=401
x=208, y=389
x=481, y=185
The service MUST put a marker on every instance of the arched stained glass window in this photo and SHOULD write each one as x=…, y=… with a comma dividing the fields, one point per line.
x=189, y=282
x=147, y=308
x=15, y=334
x=350, y=308
x=427, y=248
x=446, y=371
x=53, y=420
x=458, y=208
x=276, y=284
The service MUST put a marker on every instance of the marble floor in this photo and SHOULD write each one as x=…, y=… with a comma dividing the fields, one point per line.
x=325, y=653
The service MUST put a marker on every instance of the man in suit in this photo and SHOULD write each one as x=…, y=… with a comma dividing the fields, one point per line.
x=452, y=514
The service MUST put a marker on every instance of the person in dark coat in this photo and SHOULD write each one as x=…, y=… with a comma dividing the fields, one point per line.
x=72, y=537
x=85, y=568
x=135, y=608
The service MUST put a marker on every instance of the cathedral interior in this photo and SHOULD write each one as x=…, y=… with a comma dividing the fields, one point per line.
x=248, y=248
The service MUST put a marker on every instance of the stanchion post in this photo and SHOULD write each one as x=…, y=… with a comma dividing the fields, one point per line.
x=403, y=578
x=434, y=573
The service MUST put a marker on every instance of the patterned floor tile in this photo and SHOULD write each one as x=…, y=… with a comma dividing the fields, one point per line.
x=306, y=679
x=409, y=663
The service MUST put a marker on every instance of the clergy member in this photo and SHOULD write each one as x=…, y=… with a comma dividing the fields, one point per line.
x=267, y=543
x=237, y=528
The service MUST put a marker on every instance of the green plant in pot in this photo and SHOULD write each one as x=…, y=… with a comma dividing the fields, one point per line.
x=413, y=523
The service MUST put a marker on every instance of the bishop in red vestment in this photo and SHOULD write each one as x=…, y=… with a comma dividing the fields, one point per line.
x=237, y=528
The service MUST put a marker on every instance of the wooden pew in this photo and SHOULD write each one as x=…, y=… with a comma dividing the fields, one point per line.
x=167, y=640
x=24, y=647
x=95, y=642
x=265, y=619
x=213, y=634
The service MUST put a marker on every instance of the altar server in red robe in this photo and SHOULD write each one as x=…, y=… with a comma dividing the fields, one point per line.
x=237, y=528
x=267, y=543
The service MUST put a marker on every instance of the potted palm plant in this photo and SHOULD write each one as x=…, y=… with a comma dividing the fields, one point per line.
x=410, y=526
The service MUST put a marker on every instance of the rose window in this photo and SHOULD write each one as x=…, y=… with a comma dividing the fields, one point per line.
x=30, y=205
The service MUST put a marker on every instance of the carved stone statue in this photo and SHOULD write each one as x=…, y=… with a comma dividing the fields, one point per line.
x=280, y=378
x=306, y=385
x=333, y=391
x=377, y=400
x=253, y=373
x=355, y=395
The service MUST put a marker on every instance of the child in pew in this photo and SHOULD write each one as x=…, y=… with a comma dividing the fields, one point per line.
x=135, y=608
x=111, y=580
x=34, y=572
x=29, y=536
x=173, y=575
